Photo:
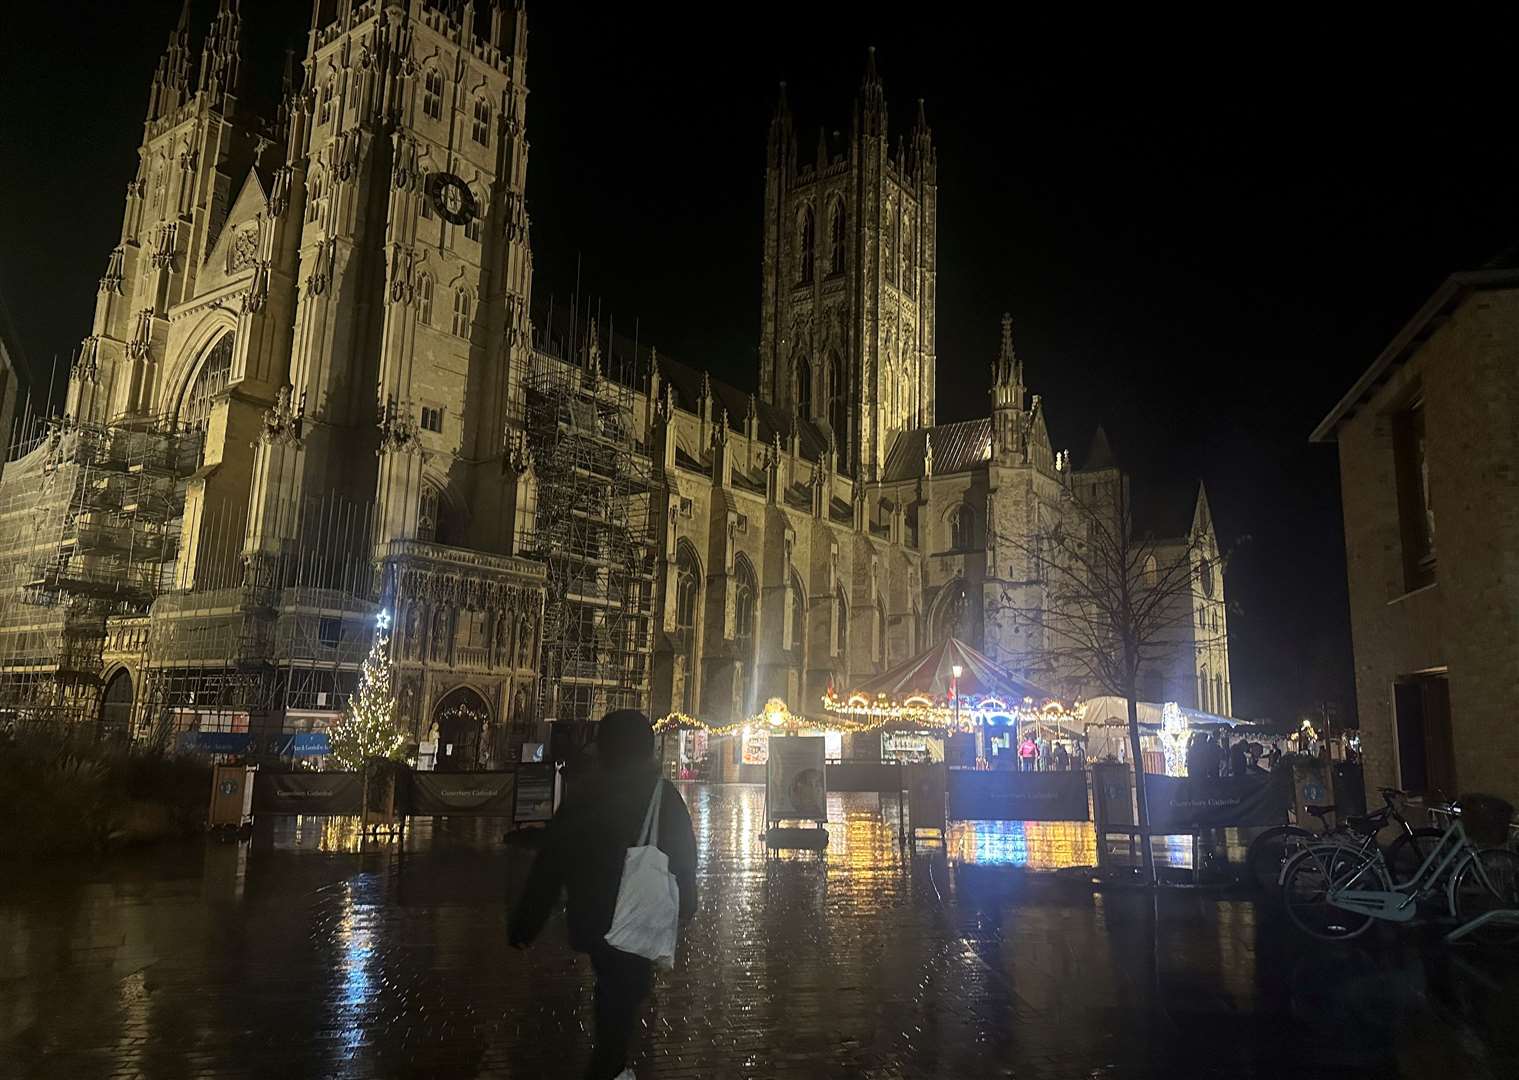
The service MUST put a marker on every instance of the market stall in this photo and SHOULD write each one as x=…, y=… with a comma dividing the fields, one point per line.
x=1164, y=731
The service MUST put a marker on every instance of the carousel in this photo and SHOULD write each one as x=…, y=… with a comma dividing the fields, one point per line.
x=956, y=693
x=949, y=704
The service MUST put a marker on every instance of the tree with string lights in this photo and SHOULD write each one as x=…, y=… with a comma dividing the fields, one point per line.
x=368, y=729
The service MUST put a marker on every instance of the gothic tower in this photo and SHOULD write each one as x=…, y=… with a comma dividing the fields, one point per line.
x=414, y=271
x=847, y=320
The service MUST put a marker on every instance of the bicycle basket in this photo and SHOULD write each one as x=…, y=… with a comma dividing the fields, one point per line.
x=1486, y=818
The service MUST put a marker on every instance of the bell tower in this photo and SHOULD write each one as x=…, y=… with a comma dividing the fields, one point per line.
x=849, y=278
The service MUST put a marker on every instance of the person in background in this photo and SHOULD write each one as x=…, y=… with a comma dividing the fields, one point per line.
x=1027, y=751
x=1080, y=759
x=1222, y=759
x=1062, y=758
x=582, y=855
x=1239, y=755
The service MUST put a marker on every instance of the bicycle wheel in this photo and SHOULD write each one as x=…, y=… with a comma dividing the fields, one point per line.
x=1269, y=852
x=1407, y=853
x=1473, y=896
x=1305, y=889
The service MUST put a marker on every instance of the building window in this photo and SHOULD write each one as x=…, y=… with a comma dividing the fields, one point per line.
x=803, y=387
x=210, y=382
x=429, y=509
x=424, y=300
x=687, y=597
x=880, y=643
x=314, y=198
x=1202, y=690
x=426, y=208
x=743, y=634
x=480, y=129
x=840, y=626
x=432, y=94
x=836, y=240
x=432, y=419
x=809, y=230
x=329, y=91
x=329, y=632
x=838, y=409
x=472, y=228
x=1151, y=572
x=1218, y=695
x=461, y=313
x=889, y=256
x=1416, y=515
x=962, y=528
x=909, y=264
x=798, y=614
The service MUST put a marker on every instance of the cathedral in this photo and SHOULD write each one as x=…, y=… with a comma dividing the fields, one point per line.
x=318, y=403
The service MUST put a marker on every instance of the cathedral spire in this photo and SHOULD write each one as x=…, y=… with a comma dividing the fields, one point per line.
x=1007, y=373
x=872, y=103
x=219, y=57
x=922, y=160
x=782, y=135
x=171, y=82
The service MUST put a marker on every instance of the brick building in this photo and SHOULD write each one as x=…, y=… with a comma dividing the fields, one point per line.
x=1428, y=443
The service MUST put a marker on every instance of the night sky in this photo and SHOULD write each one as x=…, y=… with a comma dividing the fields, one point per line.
x=1204, y=231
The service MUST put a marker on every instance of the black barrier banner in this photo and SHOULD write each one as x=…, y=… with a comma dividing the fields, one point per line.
x=1180, y=805
x=329, y=793
x=481, y=794
x=865, y=776
x=997, y=795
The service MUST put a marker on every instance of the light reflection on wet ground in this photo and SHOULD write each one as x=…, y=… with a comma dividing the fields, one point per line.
x=950, y=960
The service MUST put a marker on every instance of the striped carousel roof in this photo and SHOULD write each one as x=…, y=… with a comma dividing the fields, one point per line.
x=930, y=675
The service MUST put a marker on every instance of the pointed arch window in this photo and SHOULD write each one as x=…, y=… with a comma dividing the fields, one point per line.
x=687, y=602
x=962, y=528
x=329, y=92
x=461, y=313
x=432, y=94
x=909, y=260
x=424, y=300
x=836, y=239
x=472, y=228
x=889, y=392
x=314, y=197
x=889, y=258
x=430, y=515
x=210, y=381
x=480, y=128
x=909, y=408
x=880, y=643
x=838, y=407
x=803, y=379
x=809, y=236
x=745, y=596
x=840, y=625
x=798, y=615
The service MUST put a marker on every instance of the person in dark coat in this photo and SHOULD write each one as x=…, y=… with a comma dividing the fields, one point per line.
x=1239, y=758
x=582, y=855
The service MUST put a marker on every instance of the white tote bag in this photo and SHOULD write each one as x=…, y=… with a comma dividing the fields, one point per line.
x=647, y=920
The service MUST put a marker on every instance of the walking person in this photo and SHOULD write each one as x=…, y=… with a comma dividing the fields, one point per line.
x=1026, y=752
x=582, y=855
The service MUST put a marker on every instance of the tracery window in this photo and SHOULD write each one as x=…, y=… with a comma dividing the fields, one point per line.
x=809, y=231
x=210, y=381
x=461, y=313
x=836, y=238
x=480, y=129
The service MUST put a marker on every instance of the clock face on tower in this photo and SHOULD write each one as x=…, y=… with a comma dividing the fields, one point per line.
x=452, y=198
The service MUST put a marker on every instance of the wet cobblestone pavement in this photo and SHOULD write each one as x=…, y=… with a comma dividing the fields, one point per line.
x=310, y=960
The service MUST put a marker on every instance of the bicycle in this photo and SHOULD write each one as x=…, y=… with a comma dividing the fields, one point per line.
x=1334, y=891
x=1270, y=851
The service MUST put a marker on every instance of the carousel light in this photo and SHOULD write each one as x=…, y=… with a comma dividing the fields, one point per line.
x=956, y=670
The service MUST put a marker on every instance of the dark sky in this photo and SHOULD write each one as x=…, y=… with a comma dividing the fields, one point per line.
x=1204, y=230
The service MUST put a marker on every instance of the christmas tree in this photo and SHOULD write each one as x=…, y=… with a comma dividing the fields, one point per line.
x=368, y=727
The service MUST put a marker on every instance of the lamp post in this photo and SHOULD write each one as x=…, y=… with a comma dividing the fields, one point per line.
x=955, y=672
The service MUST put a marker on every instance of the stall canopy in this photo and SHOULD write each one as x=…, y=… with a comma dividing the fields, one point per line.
x=1115, y=710
x=931, y=675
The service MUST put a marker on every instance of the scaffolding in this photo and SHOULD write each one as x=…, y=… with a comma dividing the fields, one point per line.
x=89, y=534
x=593, y=529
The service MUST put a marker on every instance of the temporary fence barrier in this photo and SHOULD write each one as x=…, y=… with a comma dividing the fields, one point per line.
x=524, y=794
x=1187, y=805
x=998, y=795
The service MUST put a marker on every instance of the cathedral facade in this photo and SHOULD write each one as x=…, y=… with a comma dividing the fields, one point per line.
x=315, y=401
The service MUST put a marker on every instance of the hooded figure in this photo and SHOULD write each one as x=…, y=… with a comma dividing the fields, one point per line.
x=582, y=855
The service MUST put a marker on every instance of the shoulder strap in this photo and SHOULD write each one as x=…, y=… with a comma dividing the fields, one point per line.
x=649, y=834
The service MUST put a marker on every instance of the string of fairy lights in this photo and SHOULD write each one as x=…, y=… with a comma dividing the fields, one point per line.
x=858, y=714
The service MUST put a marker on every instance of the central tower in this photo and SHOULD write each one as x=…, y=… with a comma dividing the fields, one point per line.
x=847, y=320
